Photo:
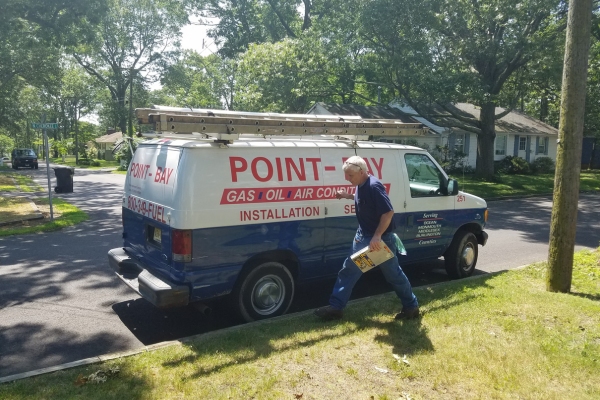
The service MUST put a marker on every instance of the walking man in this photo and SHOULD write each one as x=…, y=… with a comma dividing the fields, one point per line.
x=375, y=226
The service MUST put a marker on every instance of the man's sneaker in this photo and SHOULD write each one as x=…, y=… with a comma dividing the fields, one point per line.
x=328, y=313
x=411, y=313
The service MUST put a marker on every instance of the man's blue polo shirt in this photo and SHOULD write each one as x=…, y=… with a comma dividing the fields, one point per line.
x=371, y=202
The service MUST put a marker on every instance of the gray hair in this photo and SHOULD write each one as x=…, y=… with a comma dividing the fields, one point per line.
x=356, y=163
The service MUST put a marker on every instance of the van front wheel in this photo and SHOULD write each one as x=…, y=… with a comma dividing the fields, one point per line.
x=265, y=291
x=461, y=256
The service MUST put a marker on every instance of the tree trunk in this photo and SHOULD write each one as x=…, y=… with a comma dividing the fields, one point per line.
x=485, y=142
x=568, y=157
x=122, y=109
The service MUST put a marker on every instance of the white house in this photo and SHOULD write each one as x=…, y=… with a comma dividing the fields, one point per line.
x=517, y=134
x=106, y=143
x=433, y=137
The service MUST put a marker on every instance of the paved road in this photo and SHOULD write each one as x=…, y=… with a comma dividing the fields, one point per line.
x=59, y=302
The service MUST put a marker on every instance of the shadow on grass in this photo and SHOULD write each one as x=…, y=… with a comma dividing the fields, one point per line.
x=590, y=296
x=260, y=340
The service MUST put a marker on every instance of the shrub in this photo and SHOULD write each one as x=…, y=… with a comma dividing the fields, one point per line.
x=513, y=166
x=543, y=165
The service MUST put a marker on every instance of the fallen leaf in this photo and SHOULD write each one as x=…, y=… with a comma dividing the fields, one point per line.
x=81, y=380
x=299, y=396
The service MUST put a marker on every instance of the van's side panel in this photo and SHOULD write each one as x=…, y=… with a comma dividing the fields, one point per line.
x=245, y=202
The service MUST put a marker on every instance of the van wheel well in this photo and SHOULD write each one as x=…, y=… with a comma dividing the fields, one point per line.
x=475, y=229
x=285, y=257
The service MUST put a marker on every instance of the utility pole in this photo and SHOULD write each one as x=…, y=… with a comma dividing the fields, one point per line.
x=568, y=157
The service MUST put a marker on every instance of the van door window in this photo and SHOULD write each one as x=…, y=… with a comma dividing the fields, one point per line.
x=424, y=177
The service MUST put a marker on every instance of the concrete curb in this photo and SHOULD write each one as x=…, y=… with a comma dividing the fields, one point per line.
x=179, y=342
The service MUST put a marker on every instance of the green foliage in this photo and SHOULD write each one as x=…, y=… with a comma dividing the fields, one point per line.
x=199, y=82
x=134, y=41
x=452, y=162
x=6, y=145
x=123, y=152
x=287, y=76
x=543, y=165
x=513, y=165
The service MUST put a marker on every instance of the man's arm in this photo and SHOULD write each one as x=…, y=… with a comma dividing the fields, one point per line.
x=342, y=194
x=384, y=222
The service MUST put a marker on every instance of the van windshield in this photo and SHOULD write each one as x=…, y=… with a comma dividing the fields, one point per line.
x=25, y=153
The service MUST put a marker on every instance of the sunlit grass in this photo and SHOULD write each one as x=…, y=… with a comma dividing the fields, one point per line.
x=12, y=182
x=523, y=185
x=66, y=215
x=492, y=336
x=70, y=162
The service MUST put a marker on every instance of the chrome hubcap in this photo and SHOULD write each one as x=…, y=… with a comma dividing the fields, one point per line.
x=468, y=256
x=268, y=294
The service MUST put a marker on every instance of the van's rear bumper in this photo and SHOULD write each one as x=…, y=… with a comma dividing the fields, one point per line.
x=152, y=288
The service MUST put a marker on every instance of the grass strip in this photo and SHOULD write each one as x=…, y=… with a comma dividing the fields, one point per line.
x=13, y=208
x=69, y=215
x=520, y=185
x=7, y=183
x=12, y=182
x=70, y=162
x=500, y=336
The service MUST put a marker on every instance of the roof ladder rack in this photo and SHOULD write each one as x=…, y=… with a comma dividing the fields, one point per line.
x=227, y=126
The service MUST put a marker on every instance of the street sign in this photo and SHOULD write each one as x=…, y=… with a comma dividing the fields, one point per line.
x=47, y=125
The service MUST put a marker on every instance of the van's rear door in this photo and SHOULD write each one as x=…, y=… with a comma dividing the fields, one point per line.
x=148, y=202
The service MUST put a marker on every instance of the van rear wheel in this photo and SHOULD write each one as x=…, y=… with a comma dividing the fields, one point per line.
x=265, y=291
x=461, y=256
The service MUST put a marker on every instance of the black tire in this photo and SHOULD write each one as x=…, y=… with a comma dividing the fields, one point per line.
x=461, y=256
x=265, y=291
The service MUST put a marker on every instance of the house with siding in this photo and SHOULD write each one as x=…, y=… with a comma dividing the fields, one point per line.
x=432, y=137
x=106, y=143
x=517, y=134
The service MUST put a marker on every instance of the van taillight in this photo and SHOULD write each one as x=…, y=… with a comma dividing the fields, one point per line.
x=181, y=245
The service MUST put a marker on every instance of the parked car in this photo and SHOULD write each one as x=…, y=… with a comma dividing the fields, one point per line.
x=24, y=158
x=5, y=159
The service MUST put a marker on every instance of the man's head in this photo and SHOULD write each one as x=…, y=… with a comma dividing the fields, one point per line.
x=355, y=170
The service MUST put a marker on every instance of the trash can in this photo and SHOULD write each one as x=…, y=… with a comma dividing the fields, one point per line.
x=64, y=179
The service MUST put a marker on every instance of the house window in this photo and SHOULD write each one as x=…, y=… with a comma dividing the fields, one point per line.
x=501, y=145
x=522, y=143
x=541, y=145
x=459, y=143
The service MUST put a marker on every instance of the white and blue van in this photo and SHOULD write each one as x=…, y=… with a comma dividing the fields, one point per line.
x=249, y=219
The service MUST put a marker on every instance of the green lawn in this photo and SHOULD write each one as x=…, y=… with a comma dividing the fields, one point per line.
x=65, y=215
x=70, y=161
x=519, y=185
x=500, y=336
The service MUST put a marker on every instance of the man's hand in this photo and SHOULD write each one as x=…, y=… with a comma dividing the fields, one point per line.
x=375, y=243
x=342, y=194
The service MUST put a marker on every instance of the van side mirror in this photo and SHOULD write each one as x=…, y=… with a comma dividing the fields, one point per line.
x=452, y=187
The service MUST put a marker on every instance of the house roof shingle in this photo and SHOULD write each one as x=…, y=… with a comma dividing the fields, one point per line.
x=367, y=112
x=110, y=138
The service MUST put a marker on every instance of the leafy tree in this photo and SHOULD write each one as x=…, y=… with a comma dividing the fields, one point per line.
x=199, y=82
x=6, y=144
x=134, y=41
x=286, y=76
x=442, y=51
x=32, y=34
x=241, y=23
